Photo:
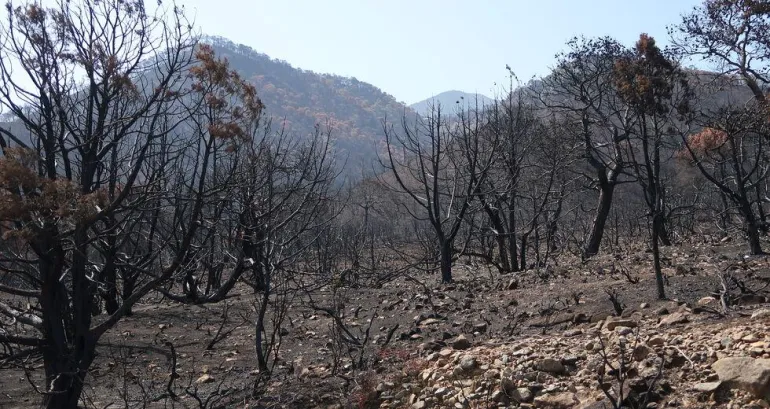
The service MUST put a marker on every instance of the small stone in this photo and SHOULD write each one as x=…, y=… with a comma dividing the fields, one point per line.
x=656, y=342
x=570, y=360
x=565, y=400
x=623, y=330
x=675, y=318
x=640, y=353
x=706, y=301
x=604, y=404
x=522, y=395
x=480, y=327
x=613, y=322
x=468, y=363
x=661, y=311
x=551, y=365
x=385, y=386
x=573, y=332
x=430, y=321
x=750, y=338
x=522, y=352
x=707, y=387
x=461, y=342
x=205, y=378
x=761, y=314
x=499, y=396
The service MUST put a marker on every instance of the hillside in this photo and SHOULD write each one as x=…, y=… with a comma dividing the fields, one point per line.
x=450, y=100
x=300, y=99
x=537, y=340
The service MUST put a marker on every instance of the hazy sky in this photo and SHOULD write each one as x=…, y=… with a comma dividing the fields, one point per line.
x=417, y=48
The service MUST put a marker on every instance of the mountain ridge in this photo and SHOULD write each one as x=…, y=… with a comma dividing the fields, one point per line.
x=302, y=99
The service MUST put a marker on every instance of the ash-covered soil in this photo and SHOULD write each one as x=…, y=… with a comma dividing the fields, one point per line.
x=548, y=338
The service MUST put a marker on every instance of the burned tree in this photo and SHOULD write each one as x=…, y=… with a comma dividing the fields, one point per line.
x=440, y=165
x=580, y=89
x=525, y=180
x=103, y=107
x=730, y=153
x=734, y=35
x=656, y=93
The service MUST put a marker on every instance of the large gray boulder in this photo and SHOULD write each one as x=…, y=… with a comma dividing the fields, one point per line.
x=745, y=373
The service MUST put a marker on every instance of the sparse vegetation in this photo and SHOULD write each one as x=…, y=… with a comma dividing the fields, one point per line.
x=187, y=223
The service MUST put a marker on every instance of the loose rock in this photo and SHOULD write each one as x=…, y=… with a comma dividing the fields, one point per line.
x=551, y=365
x=613, y=322
x=678, y=317
x=461, y=342
x=205, y=378
x=745, y=373
x=566, y=400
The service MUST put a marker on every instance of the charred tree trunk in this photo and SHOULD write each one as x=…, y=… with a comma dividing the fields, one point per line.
x=752, y=227
x=263, y=354
x=512, y=249
x=761, y=210
x=446, y=261
x=501, y=248
x=553, y=225
x=606, y=191
x=129, y=284
x=661, y=230
x=499, y=235
x=656, y=257
x=110, y=276
x=69, y=347
x=523, y=255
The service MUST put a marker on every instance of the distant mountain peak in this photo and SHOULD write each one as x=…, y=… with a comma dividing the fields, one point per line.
x=451, y=100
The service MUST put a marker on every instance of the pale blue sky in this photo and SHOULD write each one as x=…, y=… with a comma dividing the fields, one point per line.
x=418, y=48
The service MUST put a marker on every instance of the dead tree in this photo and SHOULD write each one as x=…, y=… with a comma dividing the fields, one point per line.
x=730, y=153
x=657, y=94
x=580, y=89
x=734, y=36
x=513, y=126
x=439, y=165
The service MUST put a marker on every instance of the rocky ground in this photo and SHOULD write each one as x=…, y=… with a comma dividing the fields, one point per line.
x=664, y=358
x=574, y=335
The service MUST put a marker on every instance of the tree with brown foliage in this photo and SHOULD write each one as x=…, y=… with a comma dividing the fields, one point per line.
x=730, y=152
x=734, y=36
x=99, y=110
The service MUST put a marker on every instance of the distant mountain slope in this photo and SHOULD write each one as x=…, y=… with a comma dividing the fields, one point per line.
x=451, y=101
x=303, y=98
